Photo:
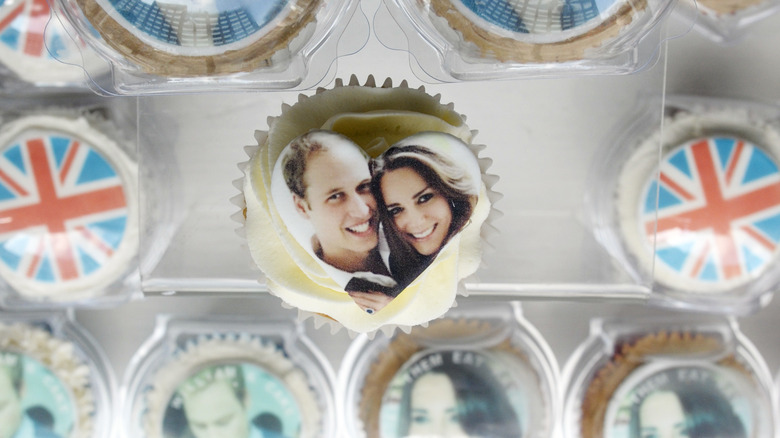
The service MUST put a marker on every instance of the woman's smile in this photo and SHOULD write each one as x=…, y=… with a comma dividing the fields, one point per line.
x=420, y=213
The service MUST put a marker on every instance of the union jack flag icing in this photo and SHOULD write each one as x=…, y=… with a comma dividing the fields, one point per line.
x=718, y=210
x=63, y=209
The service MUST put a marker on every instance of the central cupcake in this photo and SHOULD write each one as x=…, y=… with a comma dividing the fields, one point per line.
x=365, y=204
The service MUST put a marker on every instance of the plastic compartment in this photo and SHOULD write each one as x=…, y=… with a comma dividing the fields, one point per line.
x=86, y=168
x=38, y=53
x=705, y=367
x=287, y=384
x=715, y=156
x=545, y=247
x=465, y=40
x=66, y=377
x=726, y=22
x=164, y=47
x=489, y=342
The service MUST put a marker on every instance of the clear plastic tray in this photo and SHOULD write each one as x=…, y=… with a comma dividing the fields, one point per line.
x=545, y=247
x=700, y=365
x=714, y=155
x=281, y=380
x=513, y=375
x=467, y=40
x=37, y=53
x=68, y=384
x=85, y=166
x=190, y=47
x=725, y=22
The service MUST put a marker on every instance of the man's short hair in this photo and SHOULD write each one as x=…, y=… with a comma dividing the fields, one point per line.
x=295, y=158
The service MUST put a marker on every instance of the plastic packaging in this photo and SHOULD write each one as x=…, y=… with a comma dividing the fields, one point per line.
x=38, y=52
x=54, y=378
x=726, y=21
x=474, y=40
x=193, y=373
x=661, y=375
x=175, y=46
x=69, y=194
x=499, y=373
x=706, y=235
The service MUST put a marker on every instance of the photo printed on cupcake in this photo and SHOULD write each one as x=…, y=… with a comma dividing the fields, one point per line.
x=238, y=400
x=375, y=224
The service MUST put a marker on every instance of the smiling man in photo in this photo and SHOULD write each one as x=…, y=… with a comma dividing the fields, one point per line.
x=329, y=179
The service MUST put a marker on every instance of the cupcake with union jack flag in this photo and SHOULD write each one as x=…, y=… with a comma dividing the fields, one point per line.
x=68, y=208
x=705, y=217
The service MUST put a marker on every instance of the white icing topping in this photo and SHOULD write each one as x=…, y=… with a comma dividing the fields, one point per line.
x=640, y=166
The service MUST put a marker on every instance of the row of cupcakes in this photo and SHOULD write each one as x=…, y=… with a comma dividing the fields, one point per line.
x=699, y=229
x=137, y=46
x=492, y=372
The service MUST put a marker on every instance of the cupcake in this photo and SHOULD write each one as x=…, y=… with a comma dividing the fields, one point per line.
x=705, y=220
x=46, y=386
x=726, y=21
x=365, y=204
x=239, y=384
x=207, y=38
x=674, y=382
x=489, y=380
x=533, y=32
x=69, y=205
x=724, y=8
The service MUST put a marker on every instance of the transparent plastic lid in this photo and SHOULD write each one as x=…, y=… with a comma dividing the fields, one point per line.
x=727, y=21
x=69, y=203
x=484, y=363
x=192, y=374
x=187, y=45
x=36, y=49
x=475, y=40
x=693, y=204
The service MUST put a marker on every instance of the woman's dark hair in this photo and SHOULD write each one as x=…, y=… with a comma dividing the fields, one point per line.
x=484, y=410
x=443, y=176
x=708, y=413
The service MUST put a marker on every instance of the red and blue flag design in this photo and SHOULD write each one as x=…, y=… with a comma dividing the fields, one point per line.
x=718, y=210
x=23, y=28
x=63, y=209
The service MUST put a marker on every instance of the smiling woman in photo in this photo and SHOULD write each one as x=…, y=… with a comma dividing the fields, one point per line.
x=456, y=399
x=423, y=199
x=685, y=409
